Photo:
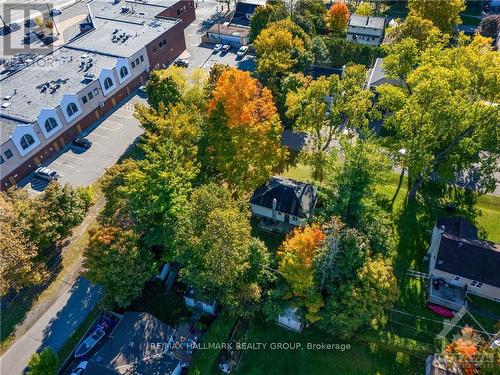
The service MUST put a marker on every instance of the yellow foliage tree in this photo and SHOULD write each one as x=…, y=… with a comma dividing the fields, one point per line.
x=242, y=139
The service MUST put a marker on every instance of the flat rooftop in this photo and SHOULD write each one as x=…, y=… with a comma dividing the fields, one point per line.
x=44, y=83
x=135, y=21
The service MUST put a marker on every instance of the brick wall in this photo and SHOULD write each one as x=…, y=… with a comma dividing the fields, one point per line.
x=183, y=9
x=166, y=54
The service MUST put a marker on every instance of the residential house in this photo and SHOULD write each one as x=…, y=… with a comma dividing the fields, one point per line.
x=290, y=319
x=284, y=200
x=193, y=299
x=366, y=30
x=460, y=263
x=139, y=344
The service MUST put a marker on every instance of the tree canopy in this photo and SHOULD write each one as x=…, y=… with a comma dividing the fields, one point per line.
x=241, y=144
x=115, y=260
x=219, y=257
x=326, y=105
x=446, y=117
x=445, y=14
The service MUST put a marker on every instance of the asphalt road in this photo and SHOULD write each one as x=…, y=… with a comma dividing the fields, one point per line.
x=54, y=327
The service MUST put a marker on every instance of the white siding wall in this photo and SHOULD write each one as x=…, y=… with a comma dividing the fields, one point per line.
x=280, y=216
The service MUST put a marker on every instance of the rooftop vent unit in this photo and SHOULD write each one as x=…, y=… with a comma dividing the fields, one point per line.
x=5, y=105
x=125, y=10
x=89, y=75
x=115, y=31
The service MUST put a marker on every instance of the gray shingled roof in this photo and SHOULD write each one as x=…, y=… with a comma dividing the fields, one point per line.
x=128, y=349
x=367, y=21
x=471, y=258
x=292, y=197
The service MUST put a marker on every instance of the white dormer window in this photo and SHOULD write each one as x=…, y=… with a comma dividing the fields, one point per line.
x=108, y=83
x=71, y=109
x=123, y=72
x=50, y=124
x=26, y=141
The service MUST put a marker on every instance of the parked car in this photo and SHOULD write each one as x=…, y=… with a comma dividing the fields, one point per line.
x=242, y=51
x=82, y=142
x=46, y=174
x=29, y=23
x=181, y=62
x=80, y=369
x=217, y=47
x=55, y=12
x=226, y=47
x=142, y=90
x=30, y=37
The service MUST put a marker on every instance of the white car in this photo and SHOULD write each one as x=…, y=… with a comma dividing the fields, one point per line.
x=47, y=174
x=217, y=47
x=242, y=51
x=55, y=12
x=78, y=370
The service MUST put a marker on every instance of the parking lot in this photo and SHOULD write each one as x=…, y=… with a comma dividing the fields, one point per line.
x=202, y=55
x=110, y=138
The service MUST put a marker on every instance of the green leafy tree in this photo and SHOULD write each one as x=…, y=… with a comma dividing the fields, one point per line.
x=359, y=166
x=420, y=29
x=168, y=87
x=343, y=52
x=446, y=118
x=219, y=257
x=274, y=10
x=282, y=48
x=310, y=16
x=18, y=263
x=364, y=8
x=325, y=106
x=49, y=217
x=43, y=363
x=360, y=301
x=445, y=14
x=320, y=51
x=114, y=259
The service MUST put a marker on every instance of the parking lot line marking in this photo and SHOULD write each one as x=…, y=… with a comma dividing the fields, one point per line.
x=111, y=122
x=74, y=157
x=123, y=117
x=98, y=135
x=65, y=165
x=108, y=128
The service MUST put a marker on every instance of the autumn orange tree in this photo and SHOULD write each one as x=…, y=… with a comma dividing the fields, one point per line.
x=337, y=17
x=464, y=349
x=241, y=141
x=297, y=254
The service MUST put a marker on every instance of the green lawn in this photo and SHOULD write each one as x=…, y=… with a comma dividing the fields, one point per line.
x=412, y=225
x=361, y=358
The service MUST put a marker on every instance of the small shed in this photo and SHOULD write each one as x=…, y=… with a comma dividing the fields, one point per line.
x=192, y=299
x=290, y=319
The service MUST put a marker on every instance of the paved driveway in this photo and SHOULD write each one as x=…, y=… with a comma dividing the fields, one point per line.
x=110, y=138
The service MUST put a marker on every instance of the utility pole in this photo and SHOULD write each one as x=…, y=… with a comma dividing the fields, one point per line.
x=53, y=21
